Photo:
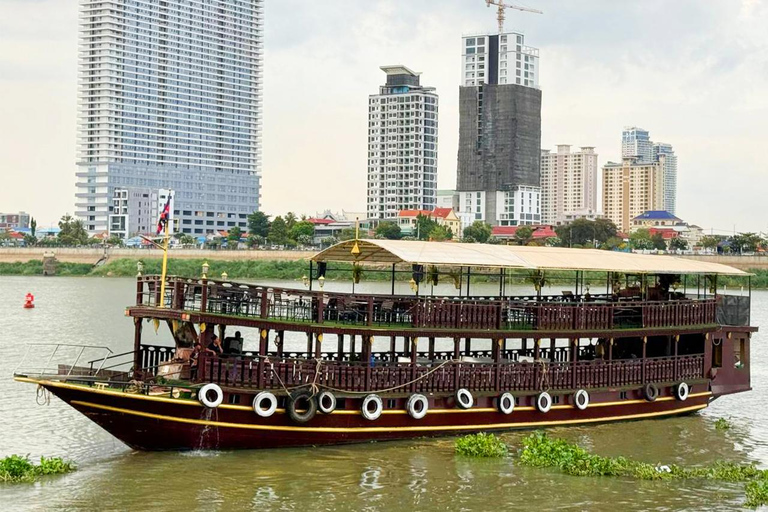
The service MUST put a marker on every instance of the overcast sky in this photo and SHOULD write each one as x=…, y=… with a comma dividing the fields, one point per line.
x=692, y=72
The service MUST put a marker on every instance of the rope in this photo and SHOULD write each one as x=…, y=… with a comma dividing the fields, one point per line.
x=42, y=396
x=315, y=387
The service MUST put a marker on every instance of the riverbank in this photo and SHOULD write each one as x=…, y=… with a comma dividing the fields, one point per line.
x=294, y=269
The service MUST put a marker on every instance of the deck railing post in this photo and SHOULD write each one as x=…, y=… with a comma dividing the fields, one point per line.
x=676, y=369
x=264, y=313
x=137, y=349
x=610, y=362
x=457, y=365
x=536, y=371
x=139, y=291
x=645, y=343
x=262, y=354
x=320, y=307
x=414, y=357
x=497, y=363
x=370, y=310
x=574, y=361
x=204, y=297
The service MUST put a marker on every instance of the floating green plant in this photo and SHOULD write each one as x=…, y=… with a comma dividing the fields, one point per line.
x=540, y=450
x=481, y=445
x=722, y=424
x=16, y=469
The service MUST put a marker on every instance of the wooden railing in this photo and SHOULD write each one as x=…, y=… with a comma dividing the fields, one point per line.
x=448, y=376
x=341, y=309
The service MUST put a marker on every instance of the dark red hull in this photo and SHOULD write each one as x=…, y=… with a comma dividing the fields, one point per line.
x=156, y=423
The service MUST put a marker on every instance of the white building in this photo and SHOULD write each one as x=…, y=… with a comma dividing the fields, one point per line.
x=568, y=184
x=636, y=142
x=499, y=59
x=670, y=174
x=516, y=207
x=136, y=211
x=402, y=145
x=170, y=97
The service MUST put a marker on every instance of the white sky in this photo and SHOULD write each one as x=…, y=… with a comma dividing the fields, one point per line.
x=692, y=72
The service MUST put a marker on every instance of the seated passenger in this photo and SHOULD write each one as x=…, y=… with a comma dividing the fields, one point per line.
x=235, y=345
x=215, y=346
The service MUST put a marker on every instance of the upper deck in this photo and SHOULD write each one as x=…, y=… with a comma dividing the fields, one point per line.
x=226, y=302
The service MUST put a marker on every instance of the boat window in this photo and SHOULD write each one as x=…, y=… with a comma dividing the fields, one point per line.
x=717, y=353
x=391, y=403
x=739, y=353
x=234, y=398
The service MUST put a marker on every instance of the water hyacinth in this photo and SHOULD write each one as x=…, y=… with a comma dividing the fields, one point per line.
x=18, y=469
x=481, y=445
x=540, y=450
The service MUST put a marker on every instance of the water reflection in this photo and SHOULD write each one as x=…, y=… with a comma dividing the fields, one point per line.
x=423, y=474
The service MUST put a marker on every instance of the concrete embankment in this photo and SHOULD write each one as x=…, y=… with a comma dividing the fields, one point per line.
x=93, y=255
x=740, y=262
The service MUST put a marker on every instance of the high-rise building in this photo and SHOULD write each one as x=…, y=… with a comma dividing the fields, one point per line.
x=499, y=59
x=402, y=145
x=636, y=142
x=670, y=174
x=631, y=188
x=170, y=97
x=568, y=184
x=498, y=172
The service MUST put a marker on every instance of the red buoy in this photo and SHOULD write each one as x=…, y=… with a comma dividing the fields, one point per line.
x=29, y=301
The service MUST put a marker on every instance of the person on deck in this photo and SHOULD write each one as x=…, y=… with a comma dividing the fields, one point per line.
x=215, y=347
x=193, y=359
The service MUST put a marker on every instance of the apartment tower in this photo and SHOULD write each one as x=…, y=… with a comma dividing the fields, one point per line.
x=631, y=188
x=568, y=184
x=498, y=173
x=402, y=145
x=170, y=98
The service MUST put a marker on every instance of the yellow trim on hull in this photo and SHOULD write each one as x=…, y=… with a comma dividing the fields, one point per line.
x=428, y=428
x=183, y=401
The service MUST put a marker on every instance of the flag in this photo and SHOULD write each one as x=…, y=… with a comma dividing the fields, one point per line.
x=164, y=216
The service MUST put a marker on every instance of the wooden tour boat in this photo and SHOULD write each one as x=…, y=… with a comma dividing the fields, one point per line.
x=661, y=338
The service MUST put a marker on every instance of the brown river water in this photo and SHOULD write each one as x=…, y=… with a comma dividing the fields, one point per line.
x=422, y=474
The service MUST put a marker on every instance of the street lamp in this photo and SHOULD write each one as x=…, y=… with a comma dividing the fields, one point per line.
x=224, y=276
x=305, y=280
x=321, y=281
x=206, y=268
x=139, y=268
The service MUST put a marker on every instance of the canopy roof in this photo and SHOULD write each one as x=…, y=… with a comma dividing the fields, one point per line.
x=516, y=257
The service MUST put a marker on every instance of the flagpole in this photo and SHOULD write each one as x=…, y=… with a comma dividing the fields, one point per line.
x=165, y=260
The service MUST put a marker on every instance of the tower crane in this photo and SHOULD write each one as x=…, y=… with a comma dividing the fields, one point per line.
x=501, y=14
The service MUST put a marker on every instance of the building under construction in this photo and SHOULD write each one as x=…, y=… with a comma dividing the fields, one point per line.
x=500, y=130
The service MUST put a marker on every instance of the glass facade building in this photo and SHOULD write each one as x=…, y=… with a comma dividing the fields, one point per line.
x=170, y=98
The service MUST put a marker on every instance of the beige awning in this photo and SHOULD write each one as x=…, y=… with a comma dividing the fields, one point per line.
x=517, y=257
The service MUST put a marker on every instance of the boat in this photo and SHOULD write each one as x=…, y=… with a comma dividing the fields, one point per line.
x=632, y=337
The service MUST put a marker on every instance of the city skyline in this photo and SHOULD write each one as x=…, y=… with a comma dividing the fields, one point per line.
x=662, y=74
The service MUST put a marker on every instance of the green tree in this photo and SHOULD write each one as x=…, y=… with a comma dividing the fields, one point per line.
x=115, y=241
x=440, y=234
x=302, y=229
x=587, y=233
x=523, y=235
x=711, y=241
x=388, y=230
x=424, y=226
x=613, y=243
x=658, y=242
x=233, y=237
x=30, y=240
x=258, y=224
x=479, y=231
x=641, y=239
x=278, y=232
x=33, y=227
x=72, y=231
x=290, y=220
x=745, y=242
x=187, y=239
x=678, y=244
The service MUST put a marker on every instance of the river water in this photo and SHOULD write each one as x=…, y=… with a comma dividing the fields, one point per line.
x=423, y=474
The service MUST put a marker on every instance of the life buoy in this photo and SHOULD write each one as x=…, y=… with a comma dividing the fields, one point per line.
x=464, y=399
x=417, y=406
x=650, y=392
x=506, y=403
x=581, y=399
x=544, y=402
x=209, y=401
x=682, y=391
x=301, y=400
x=372, y=407
x=265, y=404
x=326, y=402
